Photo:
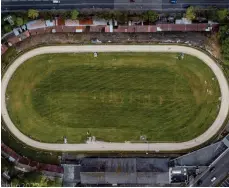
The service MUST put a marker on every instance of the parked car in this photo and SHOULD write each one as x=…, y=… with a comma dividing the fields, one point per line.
x=173, y=1
x=212, y=169
x=56, y=1
x=213, y=179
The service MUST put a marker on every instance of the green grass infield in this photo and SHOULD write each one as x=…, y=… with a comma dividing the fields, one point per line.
x=115, y=97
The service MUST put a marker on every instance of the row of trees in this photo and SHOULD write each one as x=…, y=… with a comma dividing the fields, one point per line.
x=28, y=179
x=214, y=14
x=34, y=179
x=33, y=14
x=148, y=16
x=224, y=41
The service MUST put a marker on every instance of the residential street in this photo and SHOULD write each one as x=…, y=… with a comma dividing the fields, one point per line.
x=103, y=146
x=158, y=5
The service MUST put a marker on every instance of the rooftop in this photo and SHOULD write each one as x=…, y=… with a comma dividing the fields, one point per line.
x=178, y=174
x=201, y=157
x=69, y=22
x=226, y=140
x=124, y=171
x=3, y=48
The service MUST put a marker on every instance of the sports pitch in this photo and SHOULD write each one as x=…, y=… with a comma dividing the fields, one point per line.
x=115, y=97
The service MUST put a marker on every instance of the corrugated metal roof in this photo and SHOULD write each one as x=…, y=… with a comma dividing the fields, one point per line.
x=97, y=28
x=36, y=24
x=70, y=22
x=13, y=40
x=152, y=164
x=92, y=178
x=101, y=22
x=69, y=29
x=108, y=165
x=26, y=161
x=16, y=31
x=86, y=22
x=37, y=31
x=3, y=48
x=152, y=178
x=50, y=23
x=124, y=170
x=120, y=177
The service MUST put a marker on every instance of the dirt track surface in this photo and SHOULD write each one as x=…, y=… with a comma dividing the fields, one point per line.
x=103, y=146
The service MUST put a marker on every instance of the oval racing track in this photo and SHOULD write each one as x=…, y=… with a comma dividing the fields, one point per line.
x=103, y=146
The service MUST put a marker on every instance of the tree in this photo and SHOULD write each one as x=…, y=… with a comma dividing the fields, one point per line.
x=117, y=14
x=32, y=13
x=7, y=166
x=19, y=21
x=32, y=179
x=65, y=14
x=13, y=18
x=25, y=20
x=191, y=13
x=7, y=28
x=224, y=40
x=211, y=13
x=223, y=33
x=222, y=14
x=74, y=14
x=153, y=16
x=107, y=15
x=122, y=18
x=86, y=13
x=225, y=48
x=15, y=182
x=150, y=16
x=104, y=14
x=55, y=183
x=46, y=15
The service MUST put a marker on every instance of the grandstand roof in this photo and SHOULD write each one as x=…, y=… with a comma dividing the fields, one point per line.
x=124, y=170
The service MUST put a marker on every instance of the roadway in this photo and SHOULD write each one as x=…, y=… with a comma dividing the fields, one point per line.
x=221, y=170
x=105, y=146
x=158, y=5
x=182, y=4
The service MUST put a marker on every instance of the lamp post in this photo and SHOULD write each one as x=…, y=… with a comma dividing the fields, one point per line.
x=147, y=148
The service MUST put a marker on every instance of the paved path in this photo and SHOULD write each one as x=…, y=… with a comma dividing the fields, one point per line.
x=224, y=108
